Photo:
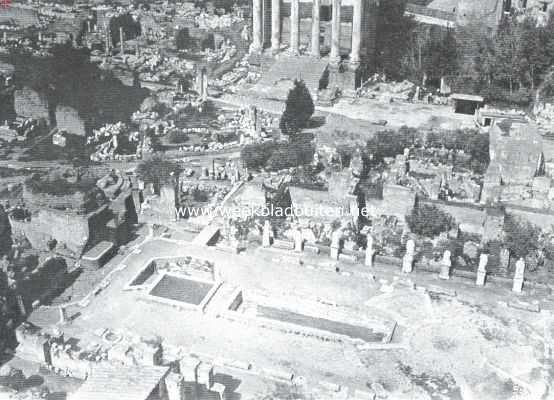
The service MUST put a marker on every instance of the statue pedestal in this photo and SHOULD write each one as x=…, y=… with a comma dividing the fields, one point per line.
x=518, y=285
x=481, y=276
x=369, y=259
x=445, y=272
x=407, y=264
x=335, y=253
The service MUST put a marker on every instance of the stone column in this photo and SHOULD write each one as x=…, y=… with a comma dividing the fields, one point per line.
x=257, y=25
x=356, y=32
x=335, y=32
x=275, y=25
x=294, y=26
x=121, y=41
x=315, y=28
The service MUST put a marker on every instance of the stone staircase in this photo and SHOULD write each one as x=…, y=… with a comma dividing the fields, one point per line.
x=277, y=77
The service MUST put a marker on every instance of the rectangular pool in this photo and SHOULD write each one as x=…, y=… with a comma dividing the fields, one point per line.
x=181, y=290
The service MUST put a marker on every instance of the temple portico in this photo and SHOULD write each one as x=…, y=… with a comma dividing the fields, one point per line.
x=341, y=29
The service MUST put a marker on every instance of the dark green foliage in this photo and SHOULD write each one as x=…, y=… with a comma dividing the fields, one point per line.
x=183, y=40
x=428, y=220
x=390, y=143
x=394, y=30
x=68, y=78
x=298, y=110
x=157, y=170
x=5, y=232
x=255, y=155
x=504, y=66
x=131, y=28
x=177, y=136
x=275, y=156
x=288, y=155
x=520, y=237
x=208, y=42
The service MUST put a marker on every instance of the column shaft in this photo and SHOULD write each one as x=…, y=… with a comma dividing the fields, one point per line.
x=294, y=26
x=356, y=32
x=275, y=25
x=315, y=28
x=335, y=32
x=257, y=25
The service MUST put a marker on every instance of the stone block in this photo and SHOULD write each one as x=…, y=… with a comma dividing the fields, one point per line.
x=364, y=395
x=348, y=258
x=205, y=374
x=441, y=290
x=522, y=305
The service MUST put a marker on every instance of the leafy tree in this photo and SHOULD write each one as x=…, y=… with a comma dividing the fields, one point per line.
x=157, y=171
x=255, y=155
x=428, y=220
x=520, y=237
x=288, y=155
x=444, y=56
x=507, y=50
x=298, y=110
x=394, y=30
x=532, y=56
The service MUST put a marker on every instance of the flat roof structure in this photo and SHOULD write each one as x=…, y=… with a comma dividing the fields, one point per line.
x=98, y=251
x=120, y=383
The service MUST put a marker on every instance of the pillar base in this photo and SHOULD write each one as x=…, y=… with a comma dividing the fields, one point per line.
x=335, y=61
x=354, y=64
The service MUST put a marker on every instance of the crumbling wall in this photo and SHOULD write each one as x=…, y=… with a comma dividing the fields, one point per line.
x=397, y=200
x=68, y=119
x=45, y=280
x=69, y=230
x=31, y=104
x=540, y=218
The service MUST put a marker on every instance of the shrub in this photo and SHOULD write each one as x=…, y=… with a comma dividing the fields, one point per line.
x=255, y=155
x=428, y=220
x=291, y=155
x=520, y=237
x=177, y=136
x=277, y=155
x=157, y=170
x=298, y=110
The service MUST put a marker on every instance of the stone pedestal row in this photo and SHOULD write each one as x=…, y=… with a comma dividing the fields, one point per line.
x=257, y=26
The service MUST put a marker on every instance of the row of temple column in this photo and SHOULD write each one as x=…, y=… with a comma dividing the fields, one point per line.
x=257, y=18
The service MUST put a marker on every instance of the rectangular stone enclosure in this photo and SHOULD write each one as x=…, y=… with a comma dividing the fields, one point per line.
x=181, y=289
